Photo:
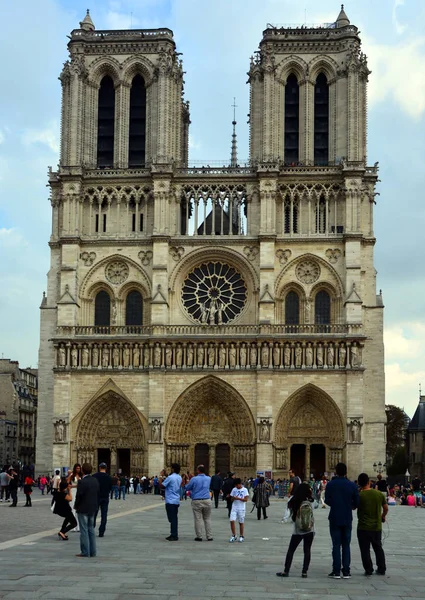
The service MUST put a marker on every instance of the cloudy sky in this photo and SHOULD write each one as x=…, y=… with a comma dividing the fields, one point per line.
x=217, y=38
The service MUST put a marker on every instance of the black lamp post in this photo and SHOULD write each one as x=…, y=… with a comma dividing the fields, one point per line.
x=379, y=468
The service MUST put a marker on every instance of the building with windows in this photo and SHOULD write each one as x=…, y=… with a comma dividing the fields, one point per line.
x=225, y=316
x=18, y=414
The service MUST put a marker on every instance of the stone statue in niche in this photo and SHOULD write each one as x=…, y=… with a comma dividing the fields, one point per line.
x=330, y=356
x=179, y=356
x=85, y=356
x=211, y=355
x=201, y=355
x=276, y=355
x=116, y=357
x=62, y=356
x=105, y=357
x=265, y=355
x=287, y=356
x=253, y=355
x=354, y=357
x=157, y=355
x=136, y=356
x=114, y=313
x=319, y=355
x=213, y=310
x=74, y=357
x=298, y=356
x=156, y=426
x=146, y=357
x=220, y=314
x=309, y=356
x=189, y=356
x=204, y=314
x=95, y=356
x=232, y=356
x=126, y=356
x=355, y=430
x=168, y=355
x=242, y=355
x=342, y=355
x=60, y=431
x=222, y=356
x=264, y=433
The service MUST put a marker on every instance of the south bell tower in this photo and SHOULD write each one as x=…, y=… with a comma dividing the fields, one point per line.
x=225, y=316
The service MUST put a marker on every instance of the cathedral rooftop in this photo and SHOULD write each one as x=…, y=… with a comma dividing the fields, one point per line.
x=418, y=421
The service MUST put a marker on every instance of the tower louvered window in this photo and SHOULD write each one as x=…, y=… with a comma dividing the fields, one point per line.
x=292, y=119
x=137, y=135
x=321, y=120
x=106, y=123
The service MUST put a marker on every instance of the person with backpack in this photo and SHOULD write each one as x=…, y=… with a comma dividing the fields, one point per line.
x=301, y=512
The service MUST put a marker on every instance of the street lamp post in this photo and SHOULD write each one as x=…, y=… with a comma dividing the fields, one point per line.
x=379, y=468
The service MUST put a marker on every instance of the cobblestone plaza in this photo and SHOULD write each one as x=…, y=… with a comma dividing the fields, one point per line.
x=134, y=559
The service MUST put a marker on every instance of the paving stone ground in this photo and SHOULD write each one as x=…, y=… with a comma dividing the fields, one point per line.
x=134, y=559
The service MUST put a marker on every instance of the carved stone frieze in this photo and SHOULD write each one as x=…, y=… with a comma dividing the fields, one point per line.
x=283, y=256
x=145, y=257
x=333, y=254
x=251, y=252
x=88, y=258
x=176, y=252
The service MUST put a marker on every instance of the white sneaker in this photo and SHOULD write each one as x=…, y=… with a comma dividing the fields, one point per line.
x=241, y=538
x=233, y=539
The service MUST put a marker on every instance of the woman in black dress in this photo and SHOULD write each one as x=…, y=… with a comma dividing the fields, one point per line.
x=62, y=507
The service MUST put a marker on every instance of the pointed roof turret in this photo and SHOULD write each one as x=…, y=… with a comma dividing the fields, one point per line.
x=234, y=155
x=87, y=24
x=342, y=19
x=418, y=421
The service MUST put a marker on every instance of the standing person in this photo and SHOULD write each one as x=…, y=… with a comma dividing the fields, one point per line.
x=43, y=484
x=56, y=481
x=73, y=479
x=416, y=486
x=342, y=496
x=4, y=483
x=323, y=485
x=382, y=486
x=228, y=485
x=62, y=498
x=115, y=488
x=372, y=512
x=105, y=487
x=199, y=488
x=215, y=487
x=261, y=497
x=86, y=505
x=240, y=497
x=123, y=486
x=294, y=482
x=172, y=484
x=13, y=486
x=28, y=483
x=303, y=519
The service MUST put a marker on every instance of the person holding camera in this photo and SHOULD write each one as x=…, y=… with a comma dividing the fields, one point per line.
x=372, y=512
x=172, y=484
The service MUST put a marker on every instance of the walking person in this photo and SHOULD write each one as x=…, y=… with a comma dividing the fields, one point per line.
x=342, y=496
x=86, y=505
x=62, y=507
x=382, y=486
x=261, y=497
x=56, y=481
x=28, y=483
x=73, y=479
x=199, y=488
x=115, y=487
x=228, y=485
x=105, y=487
x=372, y=512
x=240, y=497
x=172, y=484
x=323, y=484
x=43, y=484
x=294, y=482
x=301, y=511
x=13, y=486
x=4, y=483
x=215, y=487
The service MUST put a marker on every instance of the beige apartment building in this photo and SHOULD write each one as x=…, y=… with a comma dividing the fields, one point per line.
x=225, y=316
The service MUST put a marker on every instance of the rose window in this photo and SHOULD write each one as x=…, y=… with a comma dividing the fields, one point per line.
x=117, y=272
x=307, y=271
x=214, y=293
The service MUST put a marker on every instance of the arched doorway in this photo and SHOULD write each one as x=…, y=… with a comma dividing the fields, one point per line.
x=211, y=420
x=110, y=430
x=309, y=433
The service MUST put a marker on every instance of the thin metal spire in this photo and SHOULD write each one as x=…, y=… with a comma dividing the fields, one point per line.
x=234, y=156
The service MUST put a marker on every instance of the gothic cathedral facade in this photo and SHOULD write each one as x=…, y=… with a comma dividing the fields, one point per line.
x=225, y=316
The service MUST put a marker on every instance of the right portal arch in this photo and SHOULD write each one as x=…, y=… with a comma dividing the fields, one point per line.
x=309, y=433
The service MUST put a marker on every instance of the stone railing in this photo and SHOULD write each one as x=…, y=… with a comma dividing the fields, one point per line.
x=213, y=355
x=211, y=331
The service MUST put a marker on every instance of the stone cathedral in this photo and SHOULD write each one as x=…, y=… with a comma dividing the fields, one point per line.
x=225, y=316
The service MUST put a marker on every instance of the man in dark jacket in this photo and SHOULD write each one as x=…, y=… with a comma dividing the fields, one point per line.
x=105, y=486
x=342, y=496
x=228, y=485
x=215, y=486
x=86, y=505
x=13, y=486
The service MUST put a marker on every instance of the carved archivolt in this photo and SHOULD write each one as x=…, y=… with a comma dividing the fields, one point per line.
x=310, y=414
x=96, y=275
x=326, y=271
x=211, y=411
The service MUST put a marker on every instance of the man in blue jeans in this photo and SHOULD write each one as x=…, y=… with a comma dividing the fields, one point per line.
x=86, y=506
x=172, y=485
x=105, y=486
x=342, y=496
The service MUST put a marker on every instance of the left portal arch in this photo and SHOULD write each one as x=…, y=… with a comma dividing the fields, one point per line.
x=210, y=416
x=110, y=426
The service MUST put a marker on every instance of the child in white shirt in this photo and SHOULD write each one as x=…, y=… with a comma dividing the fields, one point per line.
x=240, y=497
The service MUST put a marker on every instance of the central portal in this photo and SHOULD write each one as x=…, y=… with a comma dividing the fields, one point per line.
x=201, y=423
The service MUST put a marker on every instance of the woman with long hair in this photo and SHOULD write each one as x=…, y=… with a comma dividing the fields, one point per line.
x=73, y=479
x=61, y=500
x=261, y=497
x=301, y=512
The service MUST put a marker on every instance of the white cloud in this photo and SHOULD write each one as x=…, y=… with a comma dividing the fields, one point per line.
x=10, y=238
x=48, y=136
x=398, y=344
x=397, y=72
x=400, y=29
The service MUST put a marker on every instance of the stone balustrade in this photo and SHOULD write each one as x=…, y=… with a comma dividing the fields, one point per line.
x=222, y=354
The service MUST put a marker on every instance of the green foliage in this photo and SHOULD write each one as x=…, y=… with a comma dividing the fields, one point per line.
x=399, y=462
x=396, y=435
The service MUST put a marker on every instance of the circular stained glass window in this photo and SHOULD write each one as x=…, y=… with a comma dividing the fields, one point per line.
x=214, y=293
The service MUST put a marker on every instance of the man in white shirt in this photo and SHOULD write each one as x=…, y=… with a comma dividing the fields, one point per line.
x=239, y=496
x=56, y=481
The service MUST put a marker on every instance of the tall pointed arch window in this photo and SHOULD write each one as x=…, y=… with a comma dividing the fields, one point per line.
x=321, y=120
x=134, y=308
x=292, y=309
x=106, y=123
x=322, y=308
x=292, y=119
x=102, y=309
x=137, y=131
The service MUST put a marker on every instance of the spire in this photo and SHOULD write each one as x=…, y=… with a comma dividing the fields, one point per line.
x=87, y=24
x=234, y=157
x=342, y=20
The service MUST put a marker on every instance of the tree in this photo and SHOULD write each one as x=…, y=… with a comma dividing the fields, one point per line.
x=396, y=431
x=398, y=464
